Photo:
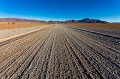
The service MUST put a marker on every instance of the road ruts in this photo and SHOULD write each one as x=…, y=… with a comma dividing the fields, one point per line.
x=59, y=52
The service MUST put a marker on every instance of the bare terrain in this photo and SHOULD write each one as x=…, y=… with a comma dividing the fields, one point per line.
x=96, y=25
x=6, y=25
x=62, y=52
x=16, y=31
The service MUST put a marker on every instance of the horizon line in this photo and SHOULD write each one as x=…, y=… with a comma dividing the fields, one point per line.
x=59, y=19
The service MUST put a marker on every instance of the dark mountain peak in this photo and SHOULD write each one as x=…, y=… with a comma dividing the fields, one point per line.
x=86, y=20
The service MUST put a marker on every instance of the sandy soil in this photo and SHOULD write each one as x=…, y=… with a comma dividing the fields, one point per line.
x=95, y=25
x=61, y=52
x=11, y=32
x=5, y=25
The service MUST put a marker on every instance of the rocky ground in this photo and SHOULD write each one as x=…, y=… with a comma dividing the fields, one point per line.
x=61, y=52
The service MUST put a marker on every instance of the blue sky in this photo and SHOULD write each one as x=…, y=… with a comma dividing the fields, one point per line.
x=108, y=10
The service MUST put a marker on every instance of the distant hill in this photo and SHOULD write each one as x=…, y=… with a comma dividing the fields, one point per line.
x=86, y=20
x=19, y=20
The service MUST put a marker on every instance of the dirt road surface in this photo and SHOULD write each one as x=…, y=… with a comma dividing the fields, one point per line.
x=61, y=52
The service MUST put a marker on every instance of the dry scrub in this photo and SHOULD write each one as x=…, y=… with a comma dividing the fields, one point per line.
x=104, y=26
x=5, y=25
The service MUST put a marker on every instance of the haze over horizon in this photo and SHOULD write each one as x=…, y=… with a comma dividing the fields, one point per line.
x=108, y=10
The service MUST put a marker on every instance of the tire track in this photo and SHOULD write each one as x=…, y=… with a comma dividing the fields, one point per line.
x=93, y=50
x=59, y=52
x=85, y=70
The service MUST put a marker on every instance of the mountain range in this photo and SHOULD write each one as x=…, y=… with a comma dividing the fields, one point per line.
x=19, y=20
x=86, y=20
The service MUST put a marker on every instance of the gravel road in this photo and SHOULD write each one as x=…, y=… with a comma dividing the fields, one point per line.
x=61, y=52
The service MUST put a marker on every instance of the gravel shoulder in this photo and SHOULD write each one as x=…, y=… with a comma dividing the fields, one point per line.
x=11, y=32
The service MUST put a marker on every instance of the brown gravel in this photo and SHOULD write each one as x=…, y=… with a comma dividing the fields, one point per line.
x=60, y=52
